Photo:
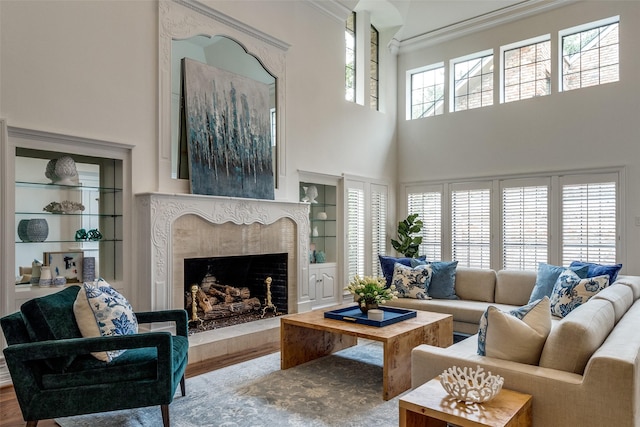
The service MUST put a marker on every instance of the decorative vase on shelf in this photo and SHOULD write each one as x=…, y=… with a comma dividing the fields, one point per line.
x=312, y=193
x=315, y=233
x=62, y=171
x=37, y=230
x=45, y=277
x=36, y=266
x=22, y=230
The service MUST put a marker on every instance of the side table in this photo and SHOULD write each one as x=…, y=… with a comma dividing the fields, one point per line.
x=430, y=406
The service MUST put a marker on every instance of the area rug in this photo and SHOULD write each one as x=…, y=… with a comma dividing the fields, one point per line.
x=344, y=389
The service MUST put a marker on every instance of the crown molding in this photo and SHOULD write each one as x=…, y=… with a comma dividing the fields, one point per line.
x=480, y=23
x=331, y=8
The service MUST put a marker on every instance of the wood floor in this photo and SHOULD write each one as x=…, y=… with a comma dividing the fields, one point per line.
x=10, y=415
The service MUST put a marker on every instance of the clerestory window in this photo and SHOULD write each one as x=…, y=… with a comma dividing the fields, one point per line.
x=526, y=71
x=472, y=82
x=425, y=92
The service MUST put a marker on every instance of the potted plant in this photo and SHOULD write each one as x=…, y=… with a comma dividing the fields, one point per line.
x=408, y=243
x=371, y=291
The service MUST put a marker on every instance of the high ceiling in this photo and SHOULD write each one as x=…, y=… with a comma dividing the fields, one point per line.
x=416, y=18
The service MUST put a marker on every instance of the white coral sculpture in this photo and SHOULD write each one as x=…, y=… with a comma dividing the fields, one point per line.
x=471, y=386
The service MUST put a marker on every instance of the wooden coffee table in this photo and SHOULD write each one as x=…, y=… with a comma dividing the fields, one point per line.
x=430, y=406
x=308, y=336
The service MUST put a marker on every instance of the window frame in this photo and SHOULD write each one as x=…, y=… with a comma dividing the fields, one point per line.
x=354, y=65
x=452, y=79
x=579, y=29
x=409, y=89
x=519, y=45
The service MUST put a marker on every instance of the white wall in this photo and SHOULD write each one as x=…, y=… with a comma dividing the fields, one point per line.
x=90, y=69
x=586, y=128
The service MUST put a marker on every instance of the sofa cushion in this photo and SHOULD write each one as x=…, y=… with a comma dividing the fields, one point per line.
x=633, y=282
x=570, y=291
x=387, y=263
x=475, y=284
x=518, y=335
x=411, y=282
x=599, y=269
x=514, y=286
x=462, y=310
x=547, y=276
x=443, y=278
x=620, y=296
x=100, y=310
x=575, y=338
x=51, y=318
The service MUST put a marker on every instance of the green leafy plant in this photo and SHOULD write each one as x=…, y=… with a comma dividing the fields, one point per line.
x=408, y=243
x=371, y=290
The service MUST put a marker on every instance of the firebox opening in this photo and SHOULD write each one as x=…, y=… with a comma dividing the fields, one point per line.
x=231, y=290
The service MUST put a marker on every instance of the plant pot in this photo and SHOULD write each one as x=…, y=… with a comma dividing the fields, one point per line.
x=368, y=306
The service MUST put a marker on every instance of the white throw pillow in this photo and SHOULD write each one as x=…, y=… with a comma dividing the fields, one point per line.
x=100, y=310
x=411, y=282
x=518, y=335
x=570, y=291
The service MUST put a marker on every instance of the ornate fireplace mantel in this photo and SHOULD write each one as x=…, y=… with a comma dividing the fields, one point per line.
x=159, y=213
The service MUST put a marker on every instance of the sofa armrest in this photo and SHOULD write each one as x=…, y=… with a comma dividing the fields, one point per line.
x=178, y=316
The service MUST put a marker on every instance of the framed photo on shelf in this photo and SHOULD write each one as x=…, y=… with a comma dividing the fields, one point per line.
x=67, y=264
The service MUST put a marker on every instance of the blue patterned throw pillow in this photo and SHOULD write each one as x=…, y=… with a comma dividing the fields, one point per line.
x=100, y=310
x=411, y=282
x=547, y=276
x=571, y=291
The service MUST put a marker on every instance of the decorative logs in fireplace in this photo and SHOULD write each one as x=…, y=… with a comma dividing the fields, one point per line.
x=217, y=301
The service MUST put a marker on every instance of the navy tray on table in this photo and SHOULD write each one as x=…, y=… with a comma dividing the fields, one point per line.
x=354, y=315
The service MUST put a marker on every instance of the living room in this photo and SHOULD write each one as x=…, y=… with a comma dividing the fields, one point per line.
x=90, y=71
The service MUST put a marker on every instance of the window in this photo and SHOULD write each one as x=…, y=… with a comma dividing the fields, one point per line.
x=426, y=92
x=589, y=54
x=589, y=227
x=527, y=69
x=525, y=224
x=350, y=50
x=373, y=79
x=378, y=225
x=471, y=226
x=472, y=82
x=427, y=203
x=554, y=218
x=355, y=232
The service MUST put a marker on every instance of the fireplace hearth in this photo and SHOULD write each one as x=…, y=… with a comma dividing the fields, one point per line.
x=231, y=290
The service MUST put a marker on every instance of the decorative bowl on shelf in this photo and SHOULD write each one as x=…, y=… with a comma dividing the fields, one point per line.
x=469, y=385
x=37, y=230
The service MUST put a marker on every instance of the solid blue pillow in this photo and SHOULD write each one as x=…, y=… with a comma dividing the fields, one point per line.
x=387, y=263
x=599, y=269
x=547, y=276
x=443, y=279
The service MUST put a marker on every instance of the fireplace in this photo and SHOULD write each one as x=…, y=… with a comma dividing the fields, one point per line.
x=232, y=290
x=175, y=227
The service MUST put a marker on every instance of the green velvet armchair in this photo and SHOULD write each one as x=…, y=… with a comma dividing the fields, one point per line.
x=54, y=374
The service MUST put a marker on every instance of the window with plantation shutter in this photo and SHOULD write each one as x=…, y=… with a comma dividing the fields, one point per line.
x=525, y=225
x=427, y=204
x=378, y=226
x=589, y=225
x=471, y=226
x=355, y=232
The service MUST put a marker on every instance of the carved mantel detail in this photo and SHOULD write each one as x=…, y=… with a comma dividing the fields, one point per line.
x=157, y=213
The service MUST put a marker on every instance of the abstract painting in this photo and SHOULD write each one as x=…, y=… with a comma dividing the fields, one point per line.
x=67, y=264
x=228, y=132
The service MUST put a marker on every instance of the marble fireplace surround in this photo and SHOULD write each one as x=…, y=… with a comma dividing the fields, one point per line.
x=172, y=227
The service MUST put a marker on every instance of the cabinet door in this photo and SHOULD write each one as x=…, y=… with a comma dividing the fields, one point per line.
x=314, y=278
x=328, y=284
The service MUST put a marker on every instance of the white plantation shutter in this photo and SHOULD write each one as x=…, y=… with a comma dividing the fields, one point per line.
x=355, y=232
x=378, y=226
x=428, y=205
x=471, y=226
x=525, y=226
x=589, y=226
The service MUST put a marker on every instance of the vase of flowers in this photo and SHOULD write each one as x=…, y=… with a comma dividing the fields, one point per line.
x=371, y=291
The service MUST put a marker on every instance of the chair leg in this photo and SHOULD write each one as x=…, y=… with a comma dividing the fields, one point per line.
x=32, y=423
x=182, y=386
x=165, y=415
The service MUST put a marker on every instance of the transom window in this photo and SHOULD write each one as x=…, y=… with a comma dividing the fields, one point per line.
x=589, y=54
x=426, y=91
x=350, y=53
x=527, y=70
x=473, y=82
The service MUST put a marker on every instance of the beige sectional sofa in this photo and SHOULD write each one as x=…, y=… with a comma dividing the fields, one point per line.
x=589, y=370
